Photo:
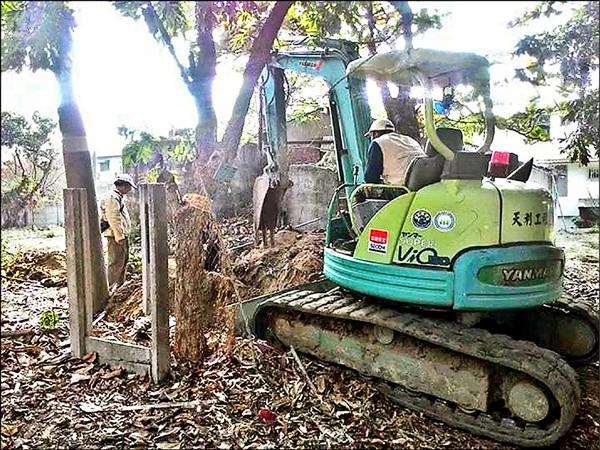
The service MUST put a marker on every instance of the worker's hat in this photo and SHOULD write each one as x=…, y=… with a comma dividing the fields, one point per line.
x=381, y=125
x=127, y=179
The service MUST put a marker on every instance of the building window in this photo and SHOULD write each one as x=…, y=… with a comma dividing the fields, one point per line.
x=560, y=177
x=593, y=174
x=105, y=165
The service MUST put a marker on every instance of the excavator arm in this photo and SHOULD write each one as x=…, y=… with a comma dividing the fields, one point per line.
x=350, y=117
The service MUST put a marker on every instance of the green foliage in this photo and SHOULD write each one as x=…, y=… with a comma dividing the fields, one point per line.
x=240, y=21
x=135, y=235
x=305, y=97
x=423, y=20
x=471, y=125
x=35, y=34
x=532, y=124
x=145, y=149
x=545, y=9
x=134, y=265
x=48, y=320
x=9, y=262
x=139, y=150
x=372, y=24
x=305, y=110
x=568, y=53
x=6, y=258
x=30, y=168
x=347, y=20
x=180, y=145
x=175, y=17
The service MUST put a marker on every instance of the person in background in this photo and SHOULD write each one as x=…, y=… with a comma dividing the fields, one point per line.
x=389, y=153
x=116, y=226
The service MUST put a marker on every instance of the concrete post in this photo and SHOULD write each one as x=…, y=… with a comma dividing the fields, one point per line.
x=155, y=251
x=80, y=272
x=145, y=237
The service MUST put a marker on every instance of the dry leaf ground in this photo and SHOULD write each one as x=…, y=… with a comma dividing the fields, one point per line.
x=254, y=397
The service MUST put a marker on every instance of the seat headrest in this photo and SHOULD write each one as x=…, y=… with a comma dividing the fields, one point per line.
x=452, y=137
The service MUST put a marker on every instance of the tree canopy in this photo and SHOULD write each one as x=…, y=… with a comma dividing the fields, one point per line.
x=30, y=164
x=567, y=55
x=29, y=35
x=244, y=26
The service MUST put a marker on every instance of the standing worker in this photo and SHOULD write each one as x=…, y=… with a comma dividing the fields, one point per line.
x=116, y=226
x=389, y=154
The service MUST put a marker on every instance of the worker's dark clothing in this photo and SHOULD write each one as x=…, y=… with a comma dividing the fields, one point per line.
x=389, y=157
x=374, y=164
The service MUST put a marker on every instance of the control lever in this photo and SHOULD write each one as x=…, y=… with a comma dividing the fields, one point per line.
x=355, y=174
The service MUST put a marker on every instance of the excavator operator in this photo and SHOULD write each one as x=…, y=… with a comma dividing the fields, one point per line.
x=389, y=154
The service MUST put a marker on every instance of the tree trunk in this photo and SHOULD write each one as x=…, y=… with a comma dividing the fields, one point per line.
x=259, y=56
x=407, y=18
x=203, y=69
x=203, y=284
x=14, y=217
x=402, y=109
x=79, y=174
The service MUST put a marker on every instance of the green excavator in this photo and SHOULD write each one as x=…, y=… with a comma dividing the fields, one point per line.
x=446, y=290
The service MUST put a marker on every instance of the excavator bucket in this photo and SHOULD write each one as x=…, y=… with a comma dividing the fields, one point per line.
x=266, y=202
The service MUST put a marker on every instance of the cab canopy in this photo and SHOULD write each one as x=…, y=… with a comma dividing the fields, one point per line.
x=442, y=68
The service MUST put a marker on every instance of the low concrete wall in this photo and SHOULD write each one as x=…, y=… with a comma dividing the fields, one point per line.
x=235, y=197
x=46, y=216
x=310, y=195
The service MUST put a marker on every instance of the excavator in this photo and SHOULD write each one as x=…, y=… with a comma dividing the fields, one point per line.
x=447, y=290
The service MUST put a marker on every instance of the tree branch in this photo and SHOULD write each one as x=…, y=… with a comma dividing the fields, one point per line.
x=407, y=18
x=167, y=40
x=20, y=162
x=259, y=55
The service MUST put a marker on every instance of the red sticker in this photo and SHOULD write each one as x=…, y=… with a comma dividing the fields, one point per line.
x=378, y=240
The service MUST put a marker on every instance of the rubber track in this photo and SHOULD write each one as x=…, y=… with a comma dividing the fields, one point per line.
x=543, y=365
x=585, y=308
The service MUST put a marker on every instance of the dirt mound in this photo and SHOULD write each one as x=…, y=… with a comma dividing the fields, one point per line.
x=47, y=267
x=297, y=258
x=126, y=302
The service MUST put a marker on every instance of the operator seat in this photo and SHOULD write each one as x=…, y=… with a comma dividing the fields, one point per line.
x=368, y=199
x=426, y=170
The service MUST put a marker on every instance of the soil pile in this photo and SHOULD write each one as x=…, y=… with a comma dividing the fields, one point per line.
x=47, y=267
x=296, y=258
x=126, y=302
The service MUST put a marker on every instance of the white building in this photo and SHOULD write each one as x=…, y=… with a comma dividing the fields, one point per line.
x=106, y=168
x=576, y=187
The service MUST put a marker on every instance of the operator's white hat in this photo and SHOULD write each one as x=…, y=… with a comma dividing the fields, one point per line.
x=127, y=179
x=381, y=125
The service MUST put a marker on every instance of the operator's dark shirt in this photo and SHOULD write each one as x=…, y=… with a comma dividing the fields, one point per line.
x=374, y=168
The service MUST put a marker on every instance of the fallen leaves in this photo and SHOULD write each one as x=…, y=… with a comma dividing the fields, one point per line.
x=257, y=396
x=90, y=407
x=90, y=357
x=112, y=374
x=77, y=378
x=9, y=429
x=266, y=415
